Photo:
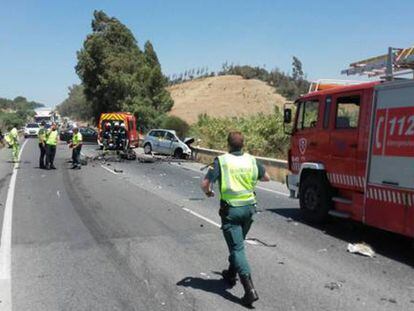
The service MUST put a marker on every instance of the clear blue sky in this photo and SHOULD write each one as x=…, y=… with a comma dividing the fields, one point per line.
x=39, y=38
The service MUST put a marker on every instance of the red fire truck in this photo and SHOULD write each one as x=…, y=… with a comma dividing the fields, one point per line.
x=352, y=148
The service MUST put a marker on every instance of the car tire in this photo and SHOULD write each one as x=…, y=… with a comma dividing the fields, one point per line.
x=147, y=148
x=315, y=198
x=178, y=153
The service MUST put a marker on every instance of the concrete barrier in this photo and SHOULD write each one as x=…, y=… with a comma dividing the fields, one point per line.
x=276, y=168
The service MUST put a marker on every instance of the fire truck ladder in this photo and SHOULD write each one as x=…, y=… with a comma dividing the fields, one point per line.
x=397, y=62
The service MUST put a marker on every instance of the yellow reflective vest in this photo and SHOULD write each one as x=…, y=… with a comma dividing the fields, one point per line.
x=52, y=138
x=239, y=175
x=77, y=138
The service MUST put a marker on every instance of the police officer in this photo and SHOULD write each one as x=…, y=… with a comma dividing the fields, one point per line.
x=42, y=144
x=76, y=148
x=238, y=174
x=51, y=143
x=14, y=143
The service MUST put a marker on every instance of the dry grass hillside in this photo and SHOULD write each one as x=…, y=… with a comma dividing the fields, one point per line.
x=223, y=96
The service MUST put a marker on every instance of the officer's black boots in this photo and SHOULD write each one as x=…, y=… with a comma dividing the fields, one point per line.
x=229, y=276
x=250, y=294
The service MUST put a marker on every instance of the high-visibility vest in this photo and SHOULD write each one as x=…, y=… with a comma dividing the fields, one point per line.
x=239, y=176
x=52, y=137
x=42, y=135
x=13, y=137
x=77, y=138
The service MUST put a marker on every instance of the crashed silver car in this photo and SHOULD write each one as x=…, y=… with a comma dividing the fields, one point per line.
x=167, y=142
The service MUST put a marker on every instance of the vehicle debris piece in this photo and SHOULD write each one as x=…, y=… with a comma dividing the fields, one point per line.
x=333, y=285
x=118, y=170
x=361, y=248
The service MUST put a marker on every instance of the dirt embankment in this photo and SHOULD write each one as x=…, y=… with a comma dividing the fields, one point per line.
x=223, y=96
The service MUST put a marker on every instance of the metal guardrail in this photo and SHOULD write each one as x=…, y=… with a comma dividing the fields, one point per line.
x=265, y=161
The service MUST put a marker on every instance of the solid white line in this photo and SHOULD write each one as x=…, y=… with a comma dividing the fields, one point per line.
x=6, y=239
x=201, y=217
x=274, y=191
x=109, y=170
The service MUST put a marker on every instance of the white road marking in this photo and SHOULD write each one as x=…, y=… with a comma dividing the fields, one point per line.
x=201, y=217
x=109, y=170
x=274, y=191
x=6, y=241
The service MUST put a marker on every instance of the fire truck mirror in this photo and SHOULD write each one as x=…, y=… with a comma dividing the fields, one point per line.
x=287, y=115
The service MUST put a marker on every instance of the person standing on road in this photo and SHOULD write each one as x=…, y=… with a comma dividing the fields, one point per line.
x=238, y=174
x=76, y=148
x=14, y=142
x=42, y=144
x=51, y=143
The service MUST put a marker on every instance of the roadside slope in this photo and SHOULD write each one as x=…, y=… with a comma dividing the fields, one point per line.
x=223, y=96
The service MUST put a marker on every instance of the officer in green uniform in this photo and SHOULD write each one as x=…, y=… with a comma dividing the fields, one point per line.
x=238, y=174
x=14, y=142
x=76, y=148
x=51, y=143
x=42, y=144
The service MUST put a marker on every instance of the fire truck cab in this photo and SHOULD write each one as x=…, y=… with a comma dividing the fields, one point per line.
x=352, y=154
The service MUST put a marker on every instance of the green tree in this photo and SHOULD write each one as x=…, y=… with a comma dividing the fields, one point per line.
x=76, y=105
x=297, y=71
x=117, y=75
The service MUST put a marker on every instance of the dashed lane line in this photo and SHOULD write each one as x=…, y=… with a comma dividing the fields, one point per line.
x=201, y=217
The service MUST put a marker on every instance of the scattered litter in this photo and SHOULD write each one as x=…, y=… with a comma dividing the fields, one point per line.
x=58, y=193
x=201, y=225
x=322, y=250
x=333, y=285
x=196, y=177
x=280, y=262
x=390, y=300
x=181, y=293
x=289, y=219
x=108, y=164
x=361, y=248
x=118, y=170
x=205, y=275
x=163, y=303
x=255, y=241
x=196, y=199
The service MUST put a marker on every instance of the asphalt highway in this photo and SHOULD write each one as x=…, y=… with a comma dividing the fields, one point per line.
x=142, y=236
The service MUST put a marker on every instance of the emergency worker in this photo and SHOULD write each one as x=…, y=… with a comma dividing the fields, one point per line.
x=14, y=143
x=238, y=174
x=76, y=148
x=42, y=144
x=122, y=136
x=106, y=135
x=51, y=144
x=115, y=134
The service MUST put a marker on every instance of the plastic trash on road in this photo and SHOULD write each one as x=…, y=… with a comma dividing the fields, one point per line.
x=361, y=248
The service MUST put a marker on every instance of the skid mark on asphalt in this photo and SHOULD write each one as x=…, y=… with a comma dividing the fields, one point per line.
x=6, y=237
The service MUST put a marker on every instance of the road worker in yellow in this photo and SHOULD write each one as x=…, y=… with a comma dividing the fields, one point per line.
x=76, y=148
x=51, y=144
x=42, y=144
x=238, y=174
x=13, y=141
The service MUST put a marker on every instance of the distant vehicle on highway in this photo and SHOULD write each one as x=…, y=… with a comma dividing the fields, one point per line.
x=88, y=134
x=167, y=142
x=31, y=130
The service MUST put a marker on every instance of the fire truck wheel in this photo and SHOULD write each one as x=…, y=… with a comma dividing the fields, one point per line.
x=147, y=149
x=315, y=198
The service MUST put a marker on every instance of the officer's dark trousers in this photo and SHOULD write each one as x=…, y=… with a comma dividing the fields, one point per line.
x=236, y=222
x=76, y=152
x=42, y=148
x=50, y=155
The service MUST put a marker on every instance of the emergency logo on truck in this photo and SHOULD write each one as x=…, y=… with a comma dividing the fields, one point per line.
x=302, y=145
x=394, y=132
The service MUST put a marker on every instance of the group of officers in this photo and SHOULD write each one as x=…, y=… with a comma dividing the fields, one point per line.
x=48, y=140
x=114, y=136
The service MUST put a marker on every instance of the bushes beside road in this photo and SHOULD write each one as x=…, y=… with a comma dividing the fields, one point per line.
x=264, y=134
